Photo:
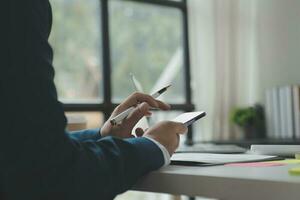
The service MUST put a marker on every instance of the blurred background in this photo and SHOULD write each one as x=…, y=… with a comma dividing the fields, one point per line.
x=236, y=59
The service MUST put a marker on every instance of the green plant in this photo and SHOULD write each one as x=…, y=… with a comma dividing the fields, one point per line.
x=251, y=120
x=244, y=117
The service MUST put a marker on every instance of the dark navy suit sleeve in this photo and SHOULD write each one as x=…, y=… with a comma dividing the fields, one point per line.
x=88, y=134
x=38, y=159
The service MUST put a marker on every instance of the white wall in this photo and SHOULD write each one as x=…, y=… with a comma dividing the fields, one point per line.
x=239, y=48
x=277, y=44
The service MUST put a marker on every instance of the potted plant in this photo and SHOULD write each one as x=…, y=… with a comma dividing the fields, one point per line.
x=250, y=120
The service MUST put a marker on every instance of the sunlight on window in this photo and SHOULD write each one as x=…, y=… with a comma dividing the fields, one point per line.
x=84, y=120
x=76, y=42
x=145, y=40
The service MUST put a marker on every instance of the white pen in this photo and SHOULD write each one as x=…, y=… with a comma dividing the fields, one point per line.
x=117, y=119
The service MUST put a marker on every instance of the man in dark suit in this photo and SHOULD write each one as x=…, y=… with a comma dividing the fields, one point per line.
x=38, y=158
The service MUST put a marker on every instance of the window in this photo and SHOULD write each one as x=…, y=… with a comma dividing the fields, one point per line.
x=146, y=40
x=76, y=40
x=86, y=120
x=98, y=43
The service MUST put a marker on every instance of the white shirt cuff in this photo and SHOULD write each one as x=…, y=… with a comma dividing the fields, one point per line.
x=165, y=152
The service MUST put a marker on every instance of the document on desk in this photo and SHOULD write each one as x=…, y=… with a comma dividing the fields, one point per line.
x=217, y=159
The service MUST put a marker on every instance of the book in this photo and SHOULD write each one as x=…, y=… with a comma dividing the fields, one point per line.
x=276, y=112
x=296, y=102
x=283, y=112
x=286, y=112
x=269, y=114
x=289, y=112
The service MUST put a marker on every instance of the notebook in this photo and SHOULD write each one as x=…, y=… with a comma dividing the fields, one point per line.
x=207, y=159
x=211, y=148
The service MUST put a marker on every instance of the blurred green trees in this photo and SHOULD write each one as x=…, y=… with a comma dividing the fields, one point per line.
x=143, y=40
x=76, y=40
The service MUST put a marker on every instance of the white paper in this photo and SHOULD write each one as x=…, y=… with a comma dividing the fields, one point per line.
x=278, y=150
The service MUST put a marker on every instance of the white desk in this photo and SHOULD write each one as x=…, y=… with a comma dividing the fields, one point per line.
x=224, y=182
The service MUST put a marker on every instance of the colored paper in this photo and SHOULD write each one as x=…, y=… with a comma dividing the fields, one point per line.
x=287, y=161
x=255, y=164
x=295, y=171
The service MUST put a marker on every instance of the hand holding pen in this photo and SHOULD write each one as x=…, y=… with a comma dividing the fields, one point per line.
x=117, y=119
x=142, y=104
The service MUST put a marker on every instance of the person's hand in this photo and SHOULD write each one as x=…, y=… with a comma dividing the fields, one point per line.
x=167, y=134
x=143, y=103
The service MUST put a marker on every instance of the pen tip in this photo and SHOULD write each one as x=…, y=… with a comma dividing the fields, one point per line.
x=168, y=86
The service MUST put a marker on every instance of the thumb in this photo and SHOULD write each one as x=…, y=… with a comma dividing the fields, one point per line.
x=181, y=128
x=140, y=111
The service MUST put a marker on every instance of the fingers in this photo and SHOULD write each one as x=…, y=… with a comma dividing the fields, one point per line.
x=137, y=98
x=163, y=105
x=179, y=128
x=140, y=111
x=167, y=133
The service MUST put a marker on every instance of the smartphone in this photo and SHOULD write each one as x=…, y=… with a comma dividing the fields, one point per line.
x=189, y=117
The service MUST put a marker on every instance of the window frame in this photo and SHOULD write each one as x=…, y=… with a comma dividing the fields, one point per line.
x=107, y=105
